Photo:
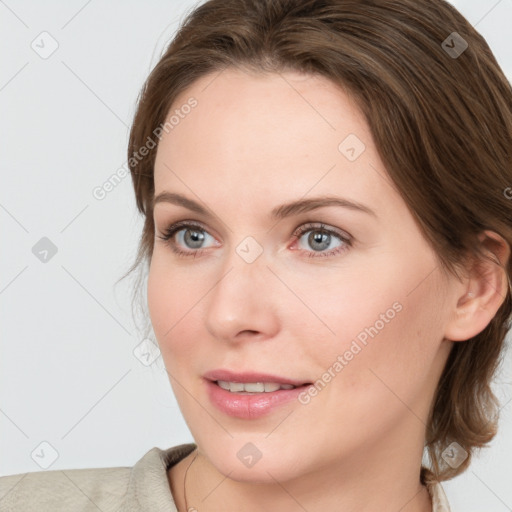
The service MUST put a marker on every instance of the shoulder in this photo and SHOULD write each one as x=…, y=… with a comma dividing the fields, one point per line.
x=70, y=489
x=92, y=489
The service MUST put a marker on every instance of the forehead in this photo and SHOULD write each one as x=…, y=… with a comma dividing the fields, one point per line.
x=255, y=134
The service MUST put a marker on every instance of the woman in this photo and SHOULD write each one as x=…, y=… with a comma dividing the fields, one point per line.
x=327, y=241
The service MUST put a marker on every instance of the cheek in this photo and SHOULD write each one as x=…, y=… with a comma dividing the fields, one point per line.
x=386, y=377
x=168, y=292
x=173, y=302
x=158, y=299
x=390, y=321
x=390, y=349
x=166, y=300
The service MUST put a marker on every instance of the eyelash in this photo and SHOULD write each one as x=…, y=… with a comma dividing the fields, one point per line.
x=171, y=230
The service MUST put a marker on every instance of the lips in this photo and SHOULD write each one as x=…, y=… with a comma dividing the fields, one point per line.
x=251, y=377
x=251, y=395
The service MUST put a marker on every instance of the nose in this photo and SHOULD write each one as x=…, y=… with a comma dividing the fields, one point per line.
x=243, y=302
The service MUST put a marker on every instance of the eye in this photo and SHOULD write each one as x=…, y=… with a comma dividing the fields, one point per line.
x=193, y=235
x=321, y=238
x=188, y=234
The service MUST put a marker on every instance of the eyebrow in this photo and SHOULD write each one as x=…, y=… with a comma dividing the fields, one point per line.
x=279, y=212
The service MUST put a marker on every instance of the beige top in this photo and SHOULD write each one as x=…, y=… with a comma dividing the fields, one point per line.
x=143, y=487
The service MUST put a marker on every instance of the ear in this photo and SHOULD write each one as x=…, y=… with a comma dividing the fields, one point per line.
x=482, y=291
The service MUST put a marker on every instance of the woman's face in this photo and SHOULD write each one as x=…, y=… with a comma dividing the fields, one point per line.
x=346, y=295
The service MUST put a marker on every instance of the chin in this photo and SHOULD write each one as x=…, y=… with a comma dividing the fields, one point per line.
x=247, y=459
x=261, y=473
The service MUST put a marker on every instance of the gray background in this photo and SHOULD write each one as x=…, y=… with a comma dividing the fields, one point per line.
x=68, y=373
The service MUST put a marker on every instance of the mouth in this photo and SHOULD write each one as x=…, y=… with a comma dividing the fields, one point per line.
x=252, y=388
x=251, y=395
x=252, y=382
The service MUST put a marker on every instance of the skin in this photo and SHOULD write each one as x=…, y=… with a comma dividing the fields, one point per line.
x=254, y=142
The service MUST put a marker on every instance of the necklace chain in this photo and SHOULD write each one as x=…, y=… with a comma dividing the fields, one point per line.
x=185, y=481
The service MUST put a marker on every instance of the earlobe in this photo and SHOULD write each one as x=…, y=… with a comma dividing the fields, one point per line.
x=485, y=289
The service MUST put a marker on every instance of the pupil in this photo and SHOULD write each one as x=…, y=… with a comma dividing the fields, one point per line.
x=318, y=237
x=195, y=237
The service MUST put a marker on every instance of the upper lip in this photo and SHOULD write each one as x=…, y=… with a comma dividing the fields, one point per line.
x=231, y=376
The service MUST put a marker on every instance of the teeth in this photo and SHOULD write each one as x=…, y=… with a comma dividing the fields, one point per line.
x=236, y=386
x=252, y=387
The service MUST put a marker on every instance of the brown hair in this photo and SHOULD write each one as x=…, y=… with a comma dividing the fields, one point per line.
x=441, y=122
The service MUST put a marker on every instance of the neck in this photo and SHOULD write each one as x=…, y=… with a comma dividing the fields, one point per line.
x=362, y=486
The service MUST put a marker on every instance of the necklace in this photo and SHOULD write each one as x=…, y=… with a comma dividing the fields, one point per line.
x=185, y=483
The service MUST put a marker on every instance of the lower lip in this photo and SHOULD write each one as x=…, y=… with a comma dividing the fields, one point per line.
x=252, y=406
